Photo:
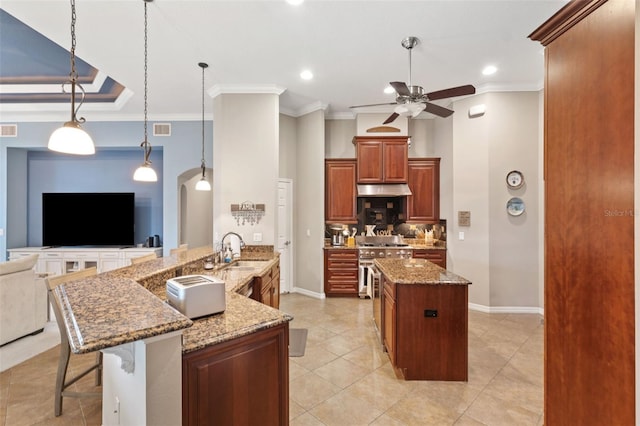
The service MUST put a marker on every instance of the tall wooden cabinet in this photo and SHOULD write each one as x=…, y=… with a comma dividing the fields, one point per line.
x=382, y=159
x=340, y=191
x=423, y=205
x=589, y=186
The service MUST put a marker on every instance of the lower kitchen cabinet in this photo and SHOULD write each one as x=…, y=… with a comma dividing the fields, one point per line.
x=437, y=256
x=389, y=319
x=425, y=330
x=244, y=381
x=341, y=272
x=267, y=287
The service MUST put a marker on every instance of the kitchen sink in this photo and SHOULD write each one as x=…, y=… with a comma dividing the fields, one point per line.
x=247, y=265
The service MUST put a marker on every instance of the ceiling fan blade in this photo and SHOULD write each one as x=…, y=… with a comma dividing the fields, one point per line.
x=391, y=118
x=437, y=110
x=451, y=92
x=401, y=88
x=362, y=106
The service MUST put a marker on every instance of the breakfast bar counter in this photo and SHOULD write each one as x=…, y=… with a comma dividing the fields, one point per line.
x=193, y=363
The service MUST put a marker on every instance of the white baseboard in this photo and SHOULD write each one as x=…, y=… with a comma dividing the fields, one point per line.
x=308, y=293
x=506, y=309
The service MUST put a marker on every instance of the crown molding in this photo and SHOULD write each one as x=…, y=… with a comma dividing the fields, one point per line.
x=224, y=89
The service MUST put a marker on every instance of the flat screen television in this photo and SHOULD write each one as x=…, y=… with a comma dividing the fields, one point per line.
x=88, y=219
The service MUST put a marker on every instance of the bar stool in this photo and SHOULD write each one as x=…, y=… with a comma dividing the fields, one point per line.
x=65, y=349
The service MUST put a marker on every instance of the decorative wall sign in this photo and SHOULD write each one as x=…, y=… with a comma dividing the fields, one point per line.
x=464, y=218
x=515, y=179
x=247, y=212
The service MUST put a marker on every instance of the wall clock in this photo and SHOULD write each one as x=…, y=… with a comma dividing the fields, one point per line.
x=515, y=179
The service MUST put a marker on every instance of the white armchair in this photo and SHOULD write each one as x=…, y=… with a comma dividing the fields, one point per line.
x=23, y=299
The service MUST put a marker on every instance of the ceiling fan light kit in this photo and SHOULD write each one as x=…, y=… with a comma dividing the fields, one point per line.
x=412, y=100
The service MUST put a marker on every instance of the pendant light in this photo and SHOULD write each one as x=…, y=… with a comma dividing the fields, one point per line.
x=70, y=138
x=145, y=173
x=203, y=184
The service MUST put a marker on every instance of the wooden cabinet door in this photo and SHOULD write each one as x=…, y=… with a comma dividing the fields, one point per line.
x=370, y=160
x=423, y=206
x=340, y=190
x=439, y=257
x=389, y=326
x=244, y=381
x=275, y=286
x=395, y=169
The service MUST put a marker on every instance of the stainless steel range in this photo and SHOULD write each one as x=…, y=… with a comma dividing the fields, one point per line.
x=369, y=249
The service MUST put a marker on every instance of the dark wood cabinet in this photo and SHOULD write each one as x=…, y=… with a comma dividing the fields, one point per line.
x=244, y=381
x=389, y=319
x=425, y=330
x=267, y=287
x=437, y=256
x=382, y=159
x=589, y=310
x=423, y=206
x=340, y=191
x=341, y=272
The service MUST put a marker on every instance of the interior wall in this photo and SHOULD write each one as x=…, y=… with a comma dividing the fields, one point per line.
x=309, y=196
x=443, y=149
x=17, y=192
x=245, y=166
x=499, y=253
x=513, y=241
x=471, y=193
x=339, y=139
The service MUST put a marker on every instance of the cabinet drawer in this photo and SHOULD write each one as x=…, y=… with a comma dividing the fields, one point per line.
x=82, y=255
x=110, y=255
x=342, y=264
x=343, y=255
x=343, y=275
x=51, y=255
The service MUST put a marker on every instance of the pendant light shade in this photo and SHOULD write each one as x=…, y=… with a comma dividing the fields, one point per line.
x=203, y=184
x=71, y=138
x=145, y=173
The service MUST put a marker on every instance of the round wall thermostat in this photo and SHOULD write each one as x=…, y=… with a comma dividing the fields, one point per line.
x=515, y=179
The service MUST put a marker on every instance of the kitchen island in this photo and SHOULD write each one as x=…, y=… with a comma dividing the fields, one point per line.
x=163, y=368
x=424, y=322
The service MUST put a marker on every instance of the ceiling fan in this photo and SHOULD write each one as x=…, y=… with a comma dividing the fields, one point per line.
x=411, y=100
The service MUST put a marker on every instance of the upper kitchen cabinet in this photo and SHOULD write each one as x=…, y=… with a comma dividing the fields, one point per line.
x=382, y=159
x=423, y=206
x=340, y=191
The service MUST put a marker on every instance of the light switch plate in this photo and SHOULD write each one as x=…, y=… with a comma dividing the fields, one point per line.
x=461, y=235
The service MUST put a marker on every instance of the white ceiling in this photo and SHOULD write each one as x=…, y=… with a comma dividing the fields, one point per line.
x=352, y=47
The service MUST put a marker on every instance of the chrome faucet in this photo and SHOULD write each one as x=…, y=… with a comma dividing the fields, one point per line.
x=242, y=244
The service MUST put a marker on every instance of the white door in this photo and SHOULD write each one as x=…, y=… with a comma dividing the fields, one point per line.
x=285, y=229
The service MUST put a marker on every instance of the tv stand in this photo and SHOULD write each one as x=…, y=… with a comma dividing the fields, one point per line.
x=62, y=260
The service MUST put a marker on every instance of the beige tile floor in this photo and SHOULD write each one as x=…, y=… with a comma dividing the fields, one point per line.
x=345, y=378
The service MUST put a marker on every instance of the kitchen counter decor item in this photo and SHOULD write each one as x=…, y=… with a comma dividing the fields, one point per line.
x=247, y=212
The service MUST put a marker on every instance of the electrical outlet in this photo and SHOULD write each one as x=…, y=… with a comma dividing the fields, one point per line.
x=1, y=232
x=257, y=236
x=461, y=235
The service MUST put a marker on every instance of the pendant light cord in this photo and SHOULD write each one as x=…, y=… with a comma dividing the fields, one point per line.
x=145, y=143
x=73, y=75
x=203, y=65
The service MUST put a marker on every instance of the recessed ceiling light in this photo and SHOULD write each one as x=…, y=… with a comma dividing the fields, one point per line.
x=306, y=75
x=295, y=2
x=489, y=69
x=389, y=90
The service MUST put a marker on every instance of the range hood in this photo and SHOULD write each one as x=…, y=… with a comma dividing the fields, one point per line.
x=384, y=190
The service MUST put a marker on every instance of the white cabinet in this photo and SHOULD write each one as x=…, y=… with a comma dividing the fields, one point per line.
x=57, y=261
x=109, y=261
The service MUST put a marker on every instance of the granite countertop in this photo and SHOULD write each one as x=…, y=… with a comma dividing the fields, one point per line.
x=128, y=304
x=417, y=271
